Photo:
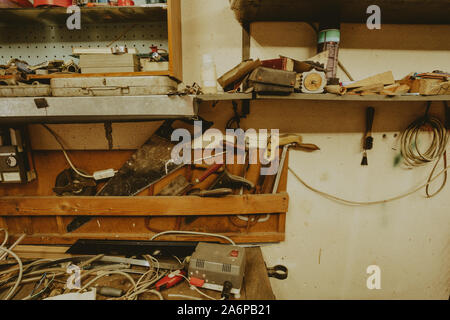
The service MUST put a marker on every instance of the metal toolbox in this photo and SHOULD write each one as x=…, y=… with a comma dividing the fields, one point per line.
x=112, y=86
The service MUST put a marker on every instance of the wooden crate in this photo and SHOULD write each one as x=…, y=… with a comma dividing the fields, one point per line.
x=32, y=209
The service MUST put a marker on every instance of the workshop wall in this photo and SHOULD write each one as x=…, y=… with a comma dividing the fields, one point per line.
x=329, y=246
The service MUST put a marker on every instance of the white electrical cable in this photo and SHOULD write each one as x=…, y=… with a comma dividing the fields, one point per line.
x=19, y=277
x=366, y=203
x=4, y=255
x=57, y=138
x=198, y=290
x=108, y=273
x=157, y=293
x=193, y=233
x=98, y=175
x=244, y=218
x=202, y=293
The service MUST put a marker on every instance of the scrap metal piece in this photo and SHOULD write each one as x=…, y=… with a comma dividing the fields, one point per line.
x=278, y=272
x=70, y=183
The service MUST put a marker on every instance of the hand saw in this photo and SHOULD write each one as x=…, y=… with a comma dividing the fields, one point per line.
x=147, y=166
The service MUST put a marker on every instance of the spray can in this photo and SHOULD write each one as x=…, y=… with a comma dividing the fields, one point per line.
x=329, y=39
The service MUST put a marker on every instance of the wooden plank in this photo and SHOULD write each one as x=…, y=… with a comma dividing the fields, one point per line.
x=322, y=97
x=57, y=15
x=349, y=11
x=175, y=39
x=143, y=206
x=41, y=252
x=3, y=223
x=385, y=78
x=70, y=238
x=256, y=281
x=282, y=187
x=238, y=72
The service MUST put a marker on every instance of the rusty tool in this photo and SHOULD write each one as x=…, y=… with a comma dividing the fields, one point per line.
x=180, y=185
x=228, y=180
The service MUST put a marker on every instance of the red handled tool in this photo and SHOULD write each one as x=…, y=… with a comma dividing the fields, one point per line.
x=214, y=168
x=170, y=280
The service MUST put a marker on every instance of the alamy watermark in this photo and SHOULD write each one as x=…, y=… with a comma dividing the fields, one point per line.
x=374, y=20
x=74, y=280
x=374, y=280
x=235, y=147
x=73, y=22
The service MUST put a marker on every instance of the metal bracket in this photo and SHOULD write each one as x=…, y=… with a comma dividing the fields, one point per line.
x=41, y=103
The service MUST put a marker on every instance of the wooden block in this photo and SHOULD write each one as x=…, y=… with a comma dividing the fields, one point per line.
x=238, y=72
x=109, y=69
x=385, y=78
x=396, y=89
x=282, y=63
x=256, y=280
x=108, y=60
x=430, y=87
x=147, y=65
x=377, y=87
x=142, y=206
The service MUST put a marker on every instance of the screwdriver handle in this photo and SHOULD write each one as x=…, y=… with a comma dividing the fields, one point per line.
x=370, y=115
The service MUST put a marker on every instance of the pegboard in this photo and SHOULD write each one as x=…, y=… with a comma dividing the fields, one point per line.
x=36, y=44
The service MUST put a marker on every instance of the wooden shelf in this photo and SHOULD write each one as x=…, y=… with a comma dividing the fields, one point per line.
x=157, y=12
x=322, y=97
x=96, y=109
x=349, y=11
x=143, y=206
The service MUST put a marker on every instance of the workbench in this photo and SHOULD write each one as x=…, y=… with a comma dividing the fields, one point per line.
x=256, y=284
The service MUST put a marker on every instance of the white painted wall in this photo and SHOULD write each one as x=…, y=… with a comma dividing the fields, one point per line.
x=328, y=245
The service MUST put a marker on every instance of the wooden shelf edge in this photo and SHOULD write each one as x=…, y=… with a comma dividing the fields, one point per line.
x=89, y=15
x=143, y=206
x=70, y=238
x=320, y=97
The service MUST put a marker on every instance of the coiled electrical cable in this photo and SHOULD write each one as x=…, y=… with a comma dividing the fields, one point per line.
x=411, y=152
